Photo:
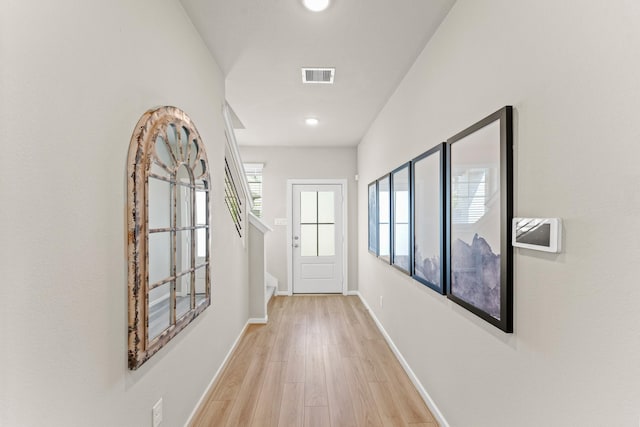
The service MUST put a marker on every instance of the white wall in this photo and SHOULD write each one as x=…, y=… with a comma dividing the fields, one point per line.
x=283, y=163
x=75, y=79
x=571, y=71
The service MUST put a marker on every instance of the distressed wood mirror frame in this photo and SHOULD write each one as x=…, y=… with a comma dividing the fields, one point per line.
x=168, y=188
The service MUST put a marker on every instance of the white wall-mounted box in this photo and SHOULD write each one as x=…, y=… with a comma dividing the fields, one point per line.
x=540, y=234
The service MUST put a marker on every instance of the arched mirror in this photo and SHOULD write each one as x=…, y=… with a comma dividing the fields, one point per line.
x=168, y=230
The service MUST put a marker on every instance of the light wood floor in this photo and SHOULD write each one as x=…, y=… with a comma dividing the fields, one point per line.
x=320, y=361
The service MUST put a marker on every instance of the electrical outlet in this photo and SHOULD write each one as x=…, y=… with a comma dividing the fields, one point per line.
x=157, y=413
x=381, y=301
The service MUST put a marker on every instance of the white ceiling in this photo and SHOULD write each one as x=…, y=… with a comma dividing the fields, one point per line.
x=262, y=44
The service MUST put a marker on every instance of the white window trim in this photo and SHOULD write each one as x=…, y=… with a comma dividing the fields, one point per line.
x=235, y=158
x=253, y=168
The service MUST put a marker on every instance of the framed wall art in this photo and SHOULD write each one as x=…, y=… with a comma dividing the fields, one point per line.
x=373, y=217
x=169, y=230
x=479, y=215
x=384, y=218
x=401, y=218
x=428, y=196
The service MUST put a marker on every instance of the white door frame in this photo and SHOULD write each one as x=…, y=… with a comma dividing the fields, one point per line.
x=345, y=221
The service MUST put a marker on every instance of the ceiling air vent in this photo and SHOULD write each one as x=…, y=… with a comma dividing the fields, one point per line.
x=318, y=75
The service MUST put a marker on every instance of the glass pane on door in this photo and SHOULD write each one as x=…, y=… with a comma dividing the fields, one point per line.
x=326, y=240
x=326, y=211
x=309, y=240
x=317, y=223
x=308, y=207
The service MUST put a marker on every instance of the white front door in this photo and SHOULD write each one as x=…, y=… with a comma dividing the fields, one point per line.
x=317, y=238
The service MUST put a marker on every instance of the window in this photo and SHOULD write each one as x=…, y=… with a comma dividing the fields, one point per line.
x=169, y=230
x=253, y=172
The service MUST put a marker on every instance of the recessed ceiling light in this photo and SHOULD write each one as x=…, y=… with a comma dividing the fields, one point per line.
x=316, y=5
x=311, y=121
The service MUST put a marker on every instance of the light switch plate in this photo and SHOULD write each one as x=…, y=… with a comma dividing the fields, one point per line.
x=157, y=413
x=281, y=221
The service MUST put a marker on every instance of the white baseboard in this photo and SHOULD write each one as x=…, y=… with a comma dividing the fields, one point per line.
x=258, y=320
x=353, y=293
x=216, y=375
x=414, y=379
x=283, y=293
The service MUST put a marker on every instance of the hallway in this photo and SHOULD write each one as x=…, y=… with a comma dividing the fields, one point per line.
x=320, y=361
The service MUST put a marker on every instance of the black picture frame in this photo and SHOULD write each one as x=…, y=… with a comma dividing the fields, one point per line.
x=480, y=164
x=401, y=227
x=428, y=192
x=373, y=217
x=383, y=186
